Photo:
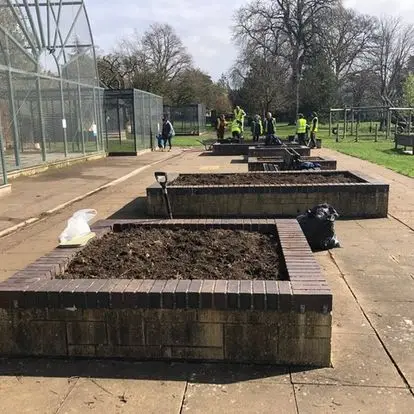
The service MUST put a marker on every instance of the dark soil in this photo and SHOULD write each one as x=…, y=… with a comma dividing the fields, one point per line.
x=179, y=254
x=258, y=178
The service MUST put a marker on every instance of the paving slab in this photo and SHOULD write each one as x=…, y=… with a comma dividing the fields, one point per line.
x=16, y=261
x=319, y=399
x=388, y=286
x=124, y=396
x=33, y=394
x=234, y=373
x=395, y=324
x=243, y=397
x=352, y=261
x=357, y=360
x=347, y=316
x=35, y=386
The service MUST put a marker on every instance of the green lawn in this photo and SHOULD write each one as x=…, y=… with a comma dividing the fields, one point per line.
x=381, y=153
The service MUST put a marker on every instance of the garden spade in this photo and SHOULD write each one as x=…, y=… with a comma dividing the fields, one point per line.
x=162, y=180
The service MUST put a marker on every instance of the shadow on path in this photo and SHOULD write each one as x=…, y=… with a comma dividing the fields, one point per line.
x=216, y=373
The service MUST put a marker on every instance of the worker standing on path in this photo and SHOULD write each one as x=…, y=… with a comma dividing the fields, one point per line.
x=239, y=115
x=167, y=132
x=257, y=128
x=269, y=128
x=301, y=129
x=221, y=126
x=314, y=130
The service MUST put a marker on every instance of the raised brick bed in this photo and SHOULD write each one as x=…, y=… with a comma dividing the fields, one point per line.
x=280, y=321
x=257, y=164
x=365, y=198
x=243, y=149
x=260, y=152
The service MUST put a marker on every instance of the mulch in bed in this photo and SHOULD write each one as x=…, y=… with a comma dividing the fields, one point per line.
x=258, y=178
x=151, y=253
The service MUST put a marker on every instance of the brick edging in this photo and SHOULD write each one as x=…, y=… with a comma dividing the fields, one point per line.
x=306, y=289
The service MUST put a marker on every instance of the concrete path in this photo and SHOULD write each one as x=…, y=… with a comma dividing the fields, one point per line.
x=33, y=196
x=372, y=279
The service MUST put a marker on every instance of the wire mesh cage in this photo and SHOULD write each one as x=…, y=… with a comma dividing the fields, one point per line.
x=187, y=120
x=132, y=120
x=50, y=100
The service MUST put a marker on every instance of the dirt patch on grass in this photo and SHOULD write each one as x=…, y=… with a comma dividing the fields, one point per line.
x=180, y=254
x=258, y=178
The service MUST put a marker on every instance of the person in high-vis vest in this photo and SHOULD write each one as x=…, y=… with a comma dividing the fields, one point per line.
x=236, y=129
x=314, y=130
x=239, y=114
x=301, y=129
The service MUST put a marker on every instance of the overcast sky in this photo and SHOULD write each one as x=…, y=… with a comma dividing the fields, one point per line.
x=204, y=27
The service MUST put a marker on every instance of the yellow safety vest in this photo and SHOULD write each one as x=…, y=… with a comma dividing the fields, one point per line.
x=239, y=114
x=301, y=126
x=235, y=127
x=316, y=124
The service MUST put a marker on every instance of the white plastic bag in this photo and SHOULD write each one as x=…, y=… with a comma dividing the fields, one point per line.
x=78, y=225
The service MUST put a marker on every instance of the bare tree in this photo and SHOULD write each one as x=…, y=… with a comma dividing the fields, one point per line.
x=114, y=70
x=393, y=47
x=346, y=38
x=166, y=54
x=286, y=28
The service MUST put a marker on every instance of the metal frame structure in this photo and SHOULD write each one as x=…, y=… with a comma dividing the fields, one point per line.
x=132, y=120
x=388, y=112
x=187, y=119
x=47, y=52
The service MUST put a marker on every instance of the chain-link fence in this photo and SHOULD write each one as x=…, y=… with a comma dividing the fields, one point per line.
x=187, y=120
x=50, y=102
x=132, y=120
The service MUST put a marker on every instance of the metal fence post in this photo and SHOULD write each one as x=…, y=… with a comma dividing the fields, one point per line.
x=95, y=121
x=64, y=126
x=81, y=120
x=133, y=121
x=356, y=132
x=41, y=121
x=376, y=132
x=337, y=132
x=330, y=122
x=388, y=133
x=2, y=158
x=16, y=140
x=345, y=126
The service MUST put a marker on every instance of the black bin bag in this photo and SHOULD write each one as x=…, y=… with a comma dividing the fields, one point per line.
x=318, y=225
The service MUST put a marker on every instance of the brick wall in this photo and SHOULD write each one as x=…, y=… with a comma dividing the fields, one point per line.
x=236, y=336
x=367, y=199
